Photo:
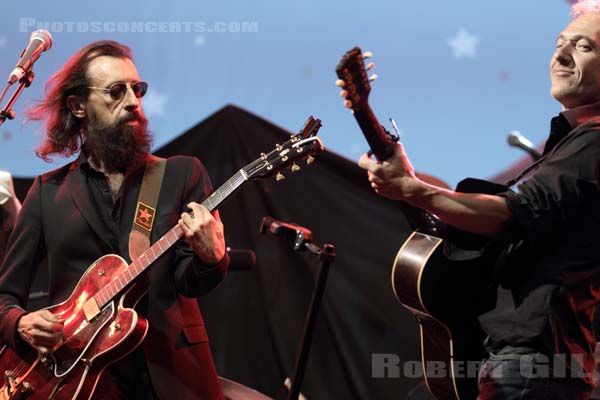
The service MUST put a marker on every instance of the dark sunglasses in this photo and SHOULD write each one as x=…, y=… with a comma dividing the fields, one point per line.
x=117, y=90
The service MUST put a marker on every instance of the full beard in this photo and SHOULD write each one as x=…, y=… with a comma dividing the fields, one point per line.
x=120, y=147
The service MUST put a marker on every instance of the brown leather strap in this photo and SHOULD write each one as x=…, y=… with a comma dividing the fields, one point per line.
x=139, y=238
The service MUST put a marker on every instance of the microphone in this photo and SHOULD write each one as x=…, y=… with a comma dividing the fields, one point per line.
x=296, y=234
x=40, y=41
x=515, y=139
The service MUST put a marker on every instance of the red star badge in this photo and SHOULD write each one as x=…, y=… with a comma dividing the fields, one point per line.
x=144, y=216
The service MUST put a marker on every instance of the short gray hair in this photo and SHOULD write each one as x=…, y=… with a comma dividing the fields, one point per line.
x=583, y=7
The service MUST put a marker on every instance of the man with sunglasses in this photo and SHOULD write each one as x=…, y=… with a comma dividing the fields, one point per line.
x=84, y=210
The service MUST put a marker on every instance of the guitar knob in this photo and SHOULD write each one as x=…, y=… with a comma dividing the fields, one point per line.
x=373, y=77
x=340, y=83
x=367, y=54
x=309, y=160
x=370, y=66
x=26, y=388
x=348, y=104
x=279, y=176
x=295, y=167
x=344, y=93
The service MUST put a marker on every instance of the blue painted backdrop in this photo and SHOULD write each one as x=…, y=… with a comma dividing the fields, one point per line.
x=456, y=76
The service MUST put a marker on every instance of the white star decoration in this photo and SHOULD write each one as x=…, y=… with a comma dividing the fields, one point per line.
x=154, y=103
x=199, y=40
x=464, y=44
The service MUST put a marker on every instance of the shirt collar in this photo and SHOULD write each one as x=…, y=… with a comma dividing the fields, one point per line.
x=580, y=115
x=86, y=167
x=568, y=120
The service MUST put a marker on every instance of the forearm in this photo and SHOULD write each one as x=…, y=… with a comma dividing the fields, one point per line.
x=194, y=279
x=473, y=212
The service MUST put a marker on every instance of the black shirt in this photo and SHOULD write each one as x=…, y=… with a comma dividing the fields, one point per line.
x=549, y=282
x=131, y=372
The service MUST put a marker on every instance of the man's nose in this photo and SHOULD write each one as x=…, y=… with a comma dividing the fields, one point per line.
x=131, y=101
x=563, y=54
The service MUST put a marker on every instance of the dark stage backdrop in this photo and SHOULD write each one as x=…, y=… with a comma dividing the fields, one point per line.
x=255, y=318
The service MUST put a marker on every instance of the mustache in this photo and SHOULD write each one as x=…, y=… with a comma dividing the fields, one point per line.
x=134, y=116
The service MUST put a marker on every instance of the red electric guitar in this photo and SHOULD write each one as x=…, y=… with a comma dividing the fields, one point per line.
x=100, y=324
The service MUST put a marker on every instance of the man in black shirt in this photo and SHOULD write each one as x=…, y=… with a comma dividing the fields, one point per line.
x=85, y=209
x=540, y=333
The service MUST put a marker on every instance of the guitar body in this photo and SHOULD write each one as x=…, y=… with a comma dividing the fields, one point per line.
x=75, y=369
x=446, y=297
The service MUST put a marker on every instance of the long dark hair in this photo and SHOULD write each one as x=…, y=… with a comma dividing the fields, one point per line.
x=62, y=127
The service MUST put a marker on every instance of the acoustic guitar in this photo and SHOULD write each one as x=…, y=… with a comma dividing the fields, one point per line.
x=444, y=295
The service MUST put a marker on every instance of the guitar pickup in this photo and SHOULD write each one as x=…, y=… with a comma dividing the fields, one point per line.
x=90, y=308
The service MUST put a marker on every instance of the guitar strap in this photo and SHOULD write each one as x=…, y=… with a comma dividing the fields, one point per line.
x=139, y=238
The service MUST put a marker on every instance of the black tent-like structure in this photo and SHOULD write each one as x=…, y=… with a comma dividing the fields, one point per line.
x=255, y=318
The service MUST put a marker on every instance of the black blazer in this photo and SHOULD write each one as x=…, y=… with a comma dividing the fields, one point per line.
x=58, y=221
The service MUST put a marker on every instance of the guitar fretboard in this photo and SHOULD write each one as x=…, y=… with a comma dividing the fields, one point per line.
x=140, y=264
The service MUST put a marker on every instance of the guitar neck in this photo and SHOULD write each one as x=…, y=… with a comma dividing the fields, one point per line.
x=140, y=264
x=383, y=147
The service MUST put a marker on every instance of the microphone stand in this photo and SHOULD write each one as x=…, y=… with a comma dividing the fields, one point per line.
x=7, y=112
x=301, y=240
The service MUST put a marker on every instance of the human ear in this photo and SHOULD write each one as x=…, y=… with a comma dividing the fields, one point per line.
x=77, y=105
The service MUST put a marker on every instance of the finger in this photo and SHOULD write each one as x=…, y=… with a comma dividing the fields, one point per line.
x=47, y=326
x=48, y=316
x=42, y=335
x=365, y=162
x=200, y=211
x=46, y=342
x=47, y=321
x=187, y=220
x=186, y=230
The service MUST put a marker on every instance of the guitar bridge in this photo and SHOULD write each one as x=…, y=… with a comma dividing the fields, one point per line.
x=16, y=389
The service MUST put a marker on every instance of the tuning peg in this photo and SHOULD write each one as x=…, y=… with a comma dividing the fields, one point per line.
x=344, y=93
x=373, y=77
x=279, y=177
x=309, y=160
x=370, y=66
x=367, y=54
x=340, y=83
x=295, y=167
x=348, y=104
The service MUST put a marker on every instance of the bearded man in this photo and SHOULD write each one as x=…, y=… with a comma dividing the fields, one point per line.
x=85, y=209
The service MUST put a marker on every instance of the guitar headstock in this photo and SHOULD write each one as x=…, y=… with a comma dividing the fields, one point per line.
x=353, y=78
x=300, y=146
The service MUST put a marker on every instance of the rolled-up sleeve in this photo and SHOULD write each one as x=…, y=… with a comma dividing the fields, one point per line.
x=559, y=192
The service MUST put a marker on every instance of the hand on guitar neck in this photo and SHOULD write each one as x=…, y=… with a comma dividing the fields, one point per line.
x=393, y=176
